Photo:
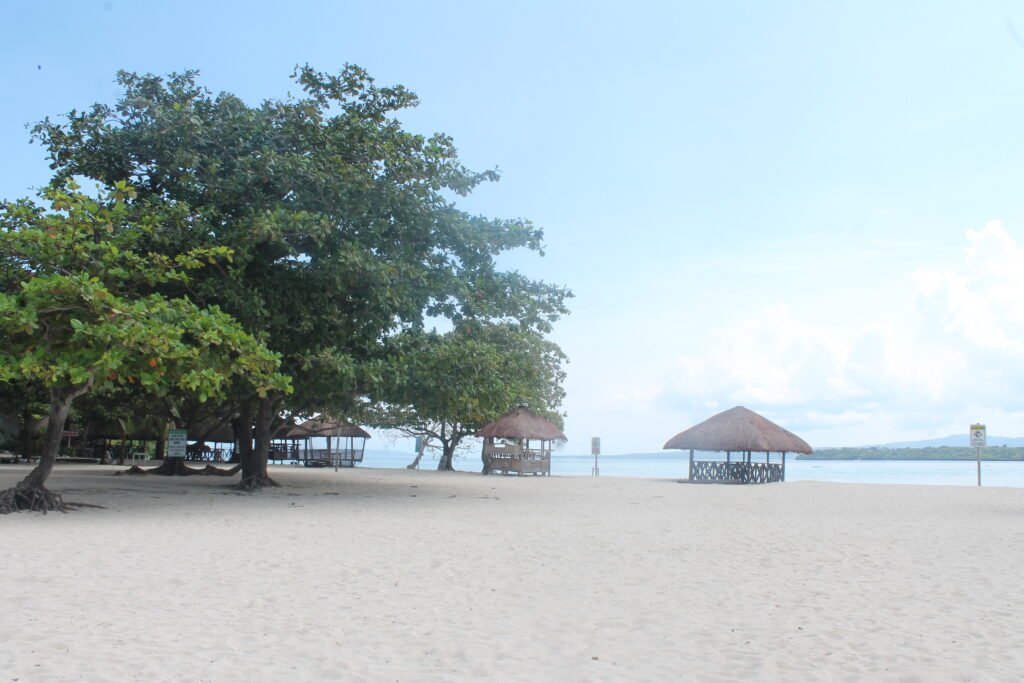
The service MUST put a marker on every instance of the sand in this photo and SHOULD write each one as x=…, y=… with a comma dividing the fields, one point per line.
x=391, y=575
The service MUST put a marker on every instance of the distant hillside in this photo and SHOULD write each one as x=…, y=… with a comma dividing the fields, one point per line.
x=908, y=453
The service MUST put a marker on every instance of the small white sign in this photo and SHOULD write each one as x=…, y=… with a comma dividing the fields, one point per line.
x=977, y=436
x=595, y=445
x=177, y=441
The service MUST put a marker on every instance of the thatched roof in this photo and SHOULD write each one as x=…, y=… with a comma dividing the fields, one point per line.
x=325, y=426
x=521, y=423
x=739, y=429
x=214, y=431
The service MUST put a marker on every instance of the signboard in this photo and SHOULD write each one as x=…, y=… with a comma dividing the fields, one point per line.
x=70, y=432
x=977, y=436
x=177, y=440
x=595, y=445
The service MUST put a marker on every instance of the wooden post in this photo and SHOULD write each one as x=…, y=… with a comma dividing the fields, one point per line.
x=690, y=475
x=783, y=465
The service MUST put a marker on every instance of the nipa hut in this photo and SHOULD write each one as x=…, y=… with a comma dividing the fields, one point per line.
x=346, y=451
x=740, y=432
x=212, y=431
x=519, y=441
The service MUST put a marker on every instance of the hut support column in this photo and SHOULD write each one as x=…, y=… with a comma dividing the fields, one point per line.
x=783, y=465
x=690, y=476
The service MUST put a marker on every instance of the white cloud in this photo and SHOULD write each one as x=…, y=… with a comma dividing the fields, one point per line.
x=984, y=302
x=961, y=351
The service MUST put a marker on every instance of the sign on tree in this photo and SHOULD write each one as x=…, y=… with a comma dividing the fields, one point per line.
x=177, y=441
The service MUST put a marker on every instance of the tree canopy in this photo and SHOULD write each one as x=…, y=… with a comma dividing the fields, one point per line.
x=342, y=225
x=75, y=314
x=447, y=386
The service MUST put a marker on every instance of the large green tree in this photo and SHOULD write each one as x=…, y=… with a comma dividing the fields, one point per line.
x=445, y=387
x=342, y=224
x=75, y=314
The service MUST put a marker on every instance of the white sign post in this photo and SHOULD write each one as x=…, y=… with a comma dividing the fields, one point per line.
x=978, y=442
x=595, y=450
x=177, y=441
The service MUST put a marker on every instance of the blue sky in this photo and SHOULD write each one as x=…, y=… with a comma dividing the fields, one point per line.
x=813, y=209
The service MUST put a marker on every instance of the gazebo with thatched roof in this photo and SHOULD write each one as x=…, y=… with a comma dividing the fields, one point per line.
x=507, y=443
x=743, y=432
x=349, y=450
x=216, y=431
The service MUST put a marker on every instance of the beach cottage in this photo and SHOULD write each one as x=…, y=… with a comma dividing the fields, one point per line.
x=216, y=431
x=739, y=433
x=296, y=443
x=519, y=442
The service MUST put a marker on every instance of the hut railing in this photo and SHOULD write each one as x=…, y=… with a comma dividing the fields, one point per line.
x=736, y=472
x=340, y=456
x=515, y=458
x=195, y=452
x=516, y=452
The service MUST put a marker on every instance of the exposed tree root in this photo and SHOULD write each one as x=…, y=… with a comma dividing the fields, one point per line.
x=177, y=468
x=220, y=471
x=36, y=499
x=255, y=483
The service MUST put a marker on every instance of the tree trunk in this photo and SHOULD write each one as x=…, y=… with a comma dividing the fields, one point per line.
x=26, y=432
x=123, y=447
x=415, y=464
x=447, y=455
x=242, y=426
x=31, y=493
x=161, y=443
x=254, y=468
x=486, y=469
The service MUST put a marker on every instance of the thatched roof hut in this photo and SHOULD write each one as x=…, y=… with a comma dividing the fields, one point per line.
x=739, y=430
x=325, y=426
x=519, y=427
x=349, y=449
x=522, y=423
x=213, y=431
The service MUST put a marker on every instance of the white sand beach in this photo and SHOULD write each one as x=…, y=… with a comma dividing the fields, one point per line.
x=392, y=575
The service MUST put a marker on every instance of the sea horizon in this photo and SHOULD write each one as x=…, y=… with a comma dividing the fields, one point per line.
x=675, y=465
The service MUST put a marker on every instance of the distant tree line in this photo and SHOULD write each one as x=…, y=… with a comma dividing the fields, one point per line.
x=926, y=453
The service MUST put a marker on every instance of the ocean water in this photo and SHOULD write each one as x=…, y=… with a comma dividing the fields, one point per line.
x=674, y=465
